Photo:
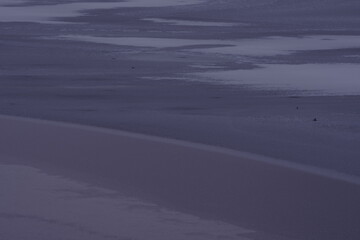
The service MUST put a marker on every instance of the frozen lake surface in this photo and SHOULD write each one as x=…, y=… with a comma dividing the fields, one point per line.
x=97, y=71
x=313, y=79
x=272, y=78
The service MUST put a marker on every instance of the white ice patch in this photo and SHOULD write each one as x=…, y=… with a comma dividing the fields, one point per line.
x=38, y=206
x=285, y=45
x=338, y=79
x=193, y=23
x=243, y=47
x=207, y=66
x=353, y=56
x=315, y=79
x=142, y=41
x=47, y=13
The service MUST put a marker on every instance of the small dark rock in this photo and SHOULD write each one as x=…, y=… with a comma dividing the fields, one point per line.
x=315, y=120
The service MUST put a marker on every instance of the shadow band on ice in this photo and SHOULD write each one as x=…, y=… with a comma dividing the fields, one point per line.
x=207, y=181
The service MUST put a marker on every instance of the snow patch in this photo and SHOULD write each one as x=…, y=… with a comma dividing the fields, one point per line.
x=315, y=79
x=48, y=13
x=193, y=23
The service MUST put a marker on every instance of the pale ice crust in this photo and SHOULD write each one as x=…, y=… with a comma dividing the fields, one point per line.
x=49, y=13
x=315, y=79
x=269, y=46
x=193, y=23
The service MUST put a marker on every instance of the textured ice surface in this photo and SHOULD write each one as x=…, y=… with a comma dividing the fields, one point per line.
x=284, y=45
x=143, y=41
x=318, y=79
x=38, y=206
x=48, y=13
x=193, y=23
x=250, y=47
x=333, y=79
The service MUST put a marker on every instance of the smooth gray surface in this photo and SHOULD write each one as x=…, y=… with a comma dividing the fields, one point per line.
x=113, y=86
x=148, y=90
x=272, y=199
